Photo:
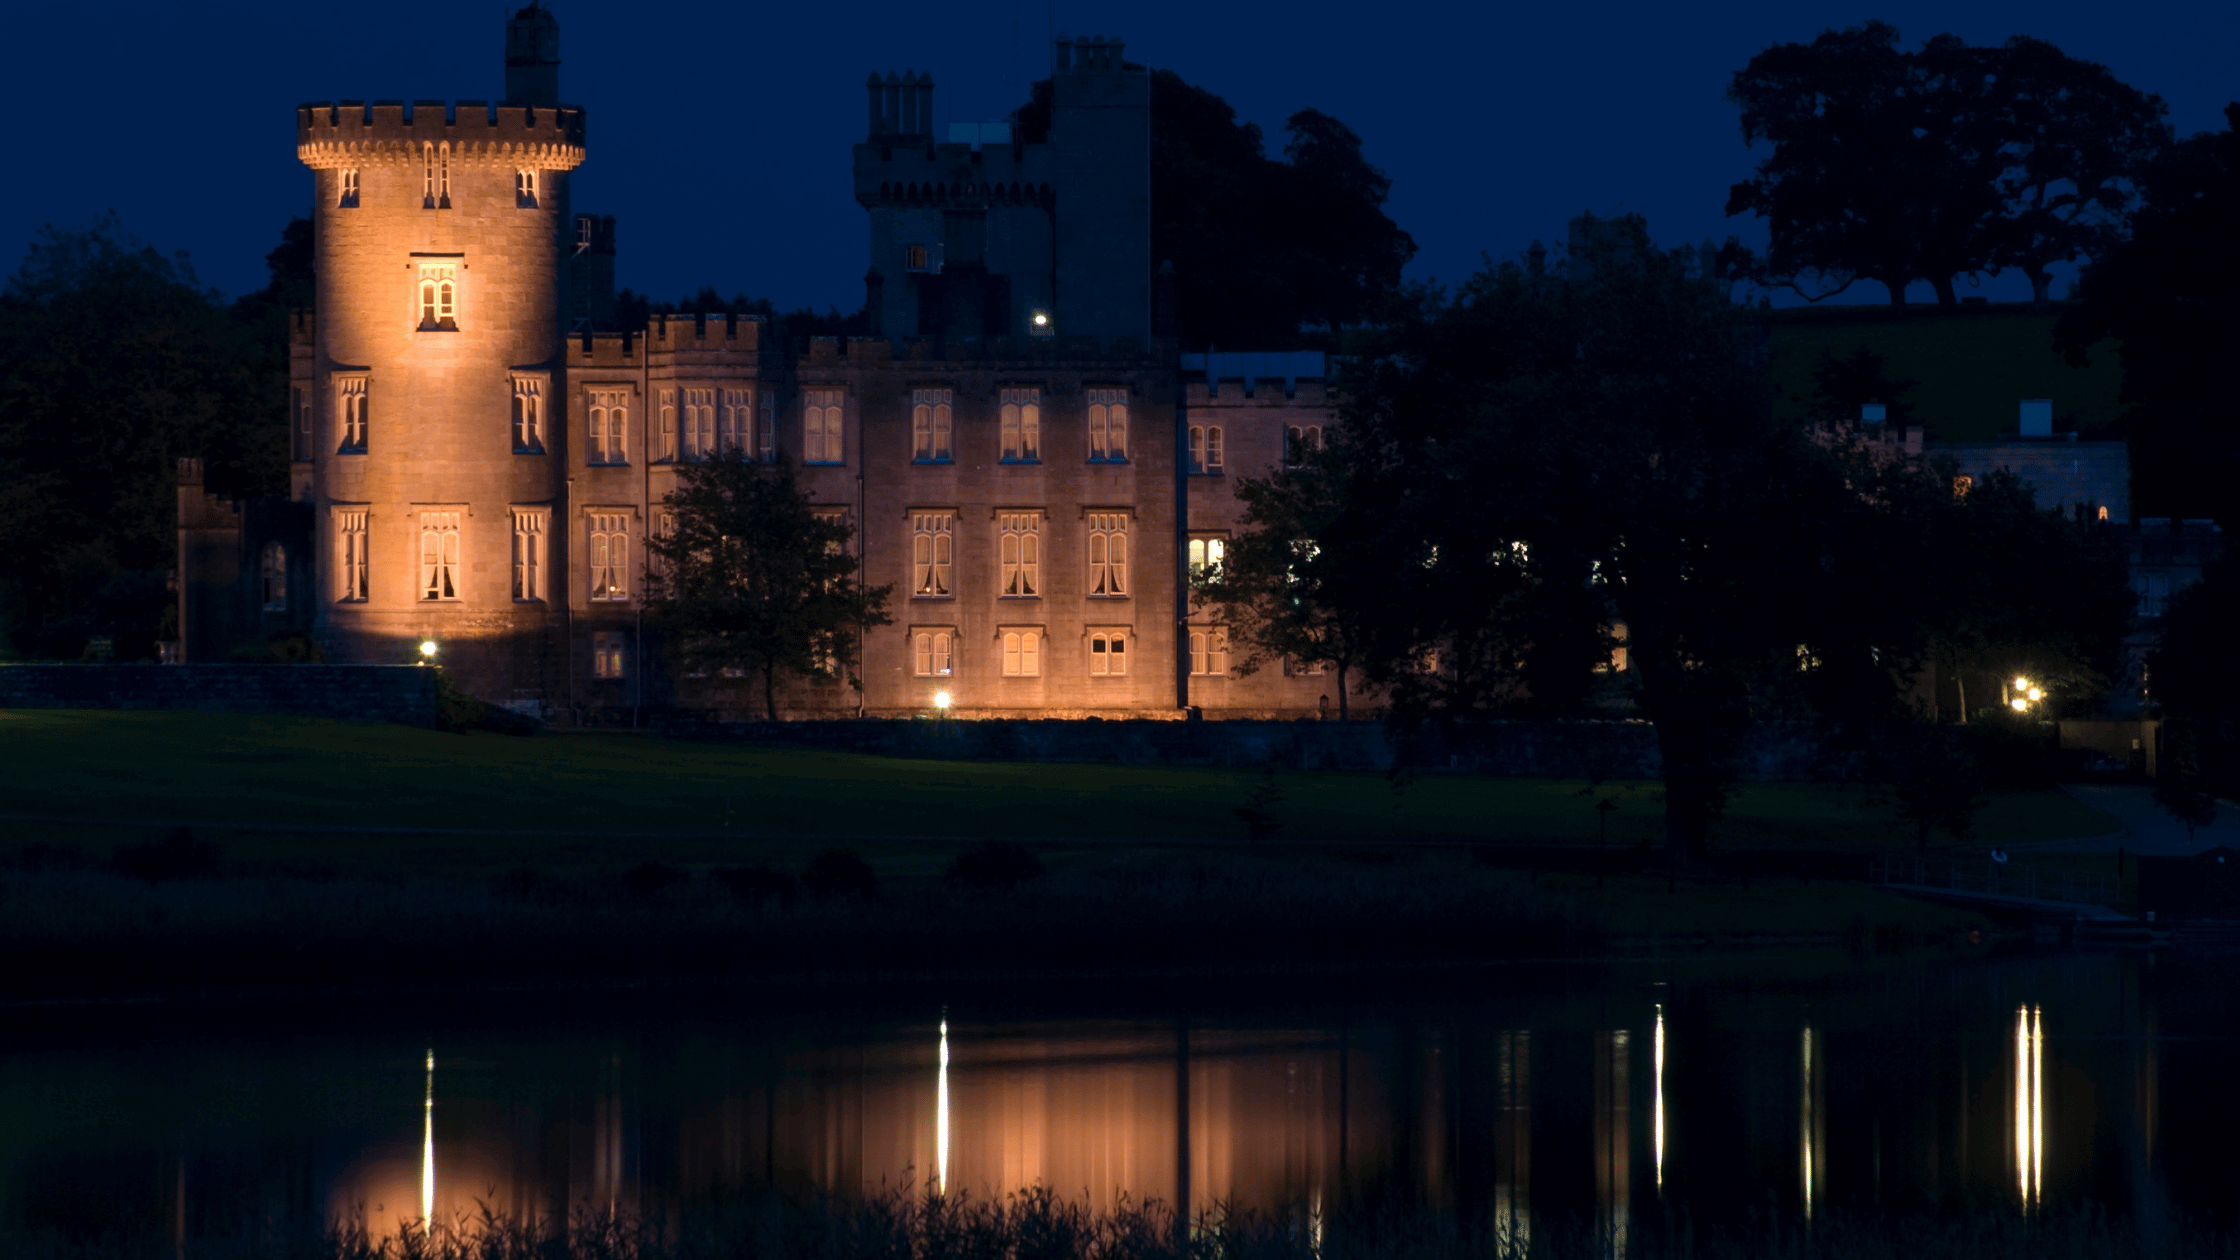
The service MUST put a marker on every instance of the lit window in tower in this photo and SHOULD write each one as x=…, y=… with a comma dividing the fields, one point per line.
x=610, y=556
x=735, y=425
x=528, y=415
x=525, y=189
x=350, y=414
x=439, y=555
x=699, y=423
x=351, y=542
x=609, y=414
x=439, y=297
x=347, y=197
x=528, y=554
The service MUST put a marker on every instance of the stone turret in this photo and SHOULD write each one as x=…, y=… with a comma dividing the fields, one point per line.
x=533, y=57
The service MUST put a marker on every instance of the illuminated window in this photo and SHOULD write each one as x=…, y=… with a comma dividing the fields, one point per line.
x=525, y=189
x=1022, y=425
x=929, y=426
x=1022, y=653
x=1299, y=442
x=347, y=184
x=272, y=573
x=932, y=550
x=766, y=436
x=1209, y=651
x=667, y=409
x=2103, y=512
x=439, y=555
x=699, y=422
x=350, y=414
x=439, y=297
x=1205, y=448
x=300, y=423
x=1961, y=485
x=350, y=546
x=528, y=415
x=735, y=423
x=1108, y=653
x=528, y=555
x=930, y=653
x=1020, y=547
x=606, y=654
x=608, y=414
x=1108, y=425
x=821, y=411
x=610, y=556
x=914, y=258
x=435, y=177
x=1108, y=554
x=1207, y=553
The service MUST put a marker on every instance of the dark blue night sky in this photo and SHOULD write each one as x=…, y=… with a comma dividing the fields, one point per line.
x=720, y=132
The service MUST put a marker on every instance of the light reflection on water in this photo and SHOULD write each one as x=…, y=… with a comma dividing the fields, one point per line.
x=1512, y=1107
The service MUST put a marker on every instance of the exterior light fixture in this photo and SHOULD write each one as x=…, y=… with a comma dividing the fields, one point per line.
x=2018, y=704
x=941, y=701
x=1038, y=323
x=427, y=649
x=2021, y=684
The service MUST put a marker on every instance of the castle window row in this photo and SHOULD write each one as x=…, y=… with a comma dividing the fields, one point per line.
x=1019, y=651
x=440, y=552
x=435, y=183
x=933, y=550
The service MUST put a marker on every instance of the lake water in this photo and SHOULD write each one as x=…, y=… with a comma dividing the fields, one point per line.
x=1531, y=1095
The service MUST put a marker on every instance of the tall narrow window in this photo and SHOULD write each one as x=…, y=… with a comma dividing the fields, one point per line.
x=350, y=545
x=1022, y=653
x=1108, y=553
x=300, y=423
x=699, y=423
x=735, y=423
x=766, y=434
x=607, y=653
x=610, y=556
x=528, y=415
x=1108, y=653
x=1205, y=448
x=1022, y=425
x=608, y=413
x=1108, y=425
x=443, y=177
x=439, y=297
x=931, y=651
x=929, y=425
x=346, y=194
x=1301, y=441
x=668, y=410
x=428, y=177
x=528, y=555
x=931, y=553
x=913, y=258
x=821, y=411
x=272, y=575
x=439, y=555
x=1021, y=550
x=1209, y=650
x=525, y=189
x=350, y=414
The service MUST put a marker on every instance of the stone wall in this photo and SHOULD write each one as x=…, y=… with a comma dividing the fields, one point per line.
x=372, y=693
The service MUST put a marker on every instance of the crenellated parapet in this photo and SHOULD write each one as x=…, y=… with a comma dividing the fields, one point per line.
x=333, y=134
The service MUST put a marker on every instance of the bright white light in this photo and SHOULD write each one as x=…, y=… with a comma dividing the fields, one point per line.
x=2036, y=695
x=2021, y=684
x=2019, y=704
x=1659, y=1116
x=940, y=699
x=1041, y=320
x=428, y=648
x=428, y=1133
x=941, y=1118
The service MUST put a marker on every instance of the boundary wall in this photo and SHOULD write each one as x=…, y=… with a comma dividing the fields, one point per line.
x=370, y=693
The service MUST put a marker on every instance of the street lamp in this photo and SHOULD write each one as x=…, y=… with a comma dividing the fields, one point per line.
x=427, y=651
x=941, y=701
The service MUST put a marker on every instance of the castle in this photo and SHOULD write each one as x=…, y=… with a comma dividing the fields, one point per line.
x=1023, y=453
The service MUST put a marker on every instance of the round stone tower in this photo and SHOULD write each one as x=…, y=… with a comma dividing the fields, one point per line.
x=438, y=405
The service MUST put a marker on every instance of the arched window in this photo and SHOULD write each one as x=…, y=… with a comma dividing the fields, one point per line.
x=274, y=577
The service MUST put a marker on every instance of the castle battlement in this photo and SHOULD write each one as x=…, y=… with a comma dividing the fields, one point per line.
x=342, y=133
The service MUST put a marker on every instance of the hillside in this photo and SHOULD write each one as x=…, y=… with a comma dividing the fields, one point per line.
x=1972, y=366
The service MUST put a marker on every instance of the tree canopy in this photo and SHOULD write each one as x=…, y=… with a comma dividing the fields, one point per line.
x=752, y=576
x=1944, y=162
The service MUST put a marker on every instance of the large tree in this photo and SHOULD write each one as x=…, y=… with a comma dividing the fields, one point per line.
x=2170, y=298
x=753, y=576
x=114, y=362
x=1933, y=164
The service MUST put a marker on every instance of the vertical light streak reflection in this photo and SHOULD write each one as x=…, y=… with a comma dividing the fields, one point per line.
x=2029, y=1104
x=941, y=1118
x=1512, y=1187
x=1613, y=1139
x=1657, y=1118
x=428, y=1149
x=1808, y=1124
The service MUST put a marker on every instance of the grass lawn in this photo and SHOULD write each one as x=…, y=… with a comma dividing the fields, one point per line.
x=723, y=803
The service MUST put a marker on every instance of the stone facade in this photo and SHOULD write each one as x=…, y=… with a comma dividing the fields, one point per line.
x=481, y=463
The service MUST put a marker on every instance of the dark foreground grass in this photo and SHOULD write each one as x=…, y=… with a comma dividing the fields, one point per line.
x=1036, y=1225
x=647, y=799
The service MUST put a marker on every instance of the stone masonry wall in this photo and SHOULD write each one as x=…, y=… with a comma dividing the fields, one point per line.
x=373, y=693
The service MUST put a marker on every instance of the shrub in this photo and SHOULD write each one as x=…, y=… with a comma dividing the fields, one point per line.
x=839, y=873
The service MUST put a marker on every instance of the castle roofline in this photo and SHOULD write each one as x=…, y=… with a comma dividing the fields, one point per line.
x=331, y=133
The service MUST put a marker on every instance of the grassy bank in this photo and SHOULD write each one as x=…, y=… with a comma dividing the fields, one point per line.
x=689, y=802
x=1038, y=1226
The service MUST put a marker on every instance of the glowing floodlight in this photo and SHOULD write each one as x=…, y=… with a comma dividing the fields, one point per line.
x=427, y=649
x=941, y=701
x=2019, y=704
